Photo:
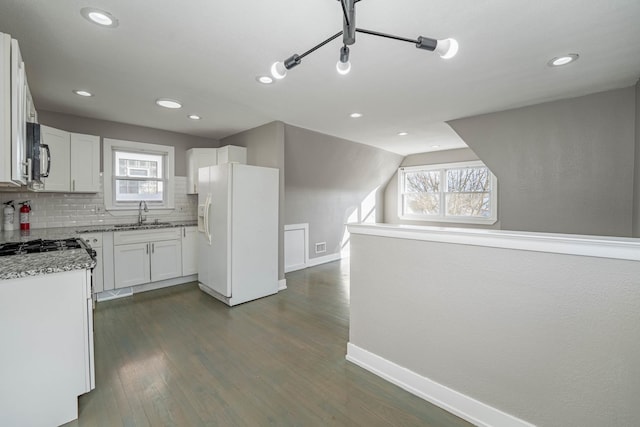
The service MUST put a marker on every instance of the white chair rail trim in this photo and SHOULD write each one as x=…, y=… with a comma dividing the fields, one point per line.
x=624, y=248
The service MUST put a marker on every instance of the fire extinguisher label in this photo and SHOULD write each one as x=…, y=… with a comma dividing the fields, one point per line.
x=24, y=220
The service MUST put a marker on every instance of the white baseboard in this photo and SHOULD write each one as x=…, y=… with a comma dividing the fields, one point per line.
x=114, y=294
x=459, y=404
x=324, y=259
x=296, y=267
x=165, y=283
x=282, y=284
x=127, y=292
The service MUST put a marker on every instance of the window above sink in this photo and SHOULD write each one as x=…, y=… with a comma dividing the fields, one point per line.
x=135, y=172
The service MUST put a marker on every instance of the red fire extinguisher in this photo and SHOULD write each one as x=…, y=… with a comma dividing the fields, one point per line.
x=24, y=215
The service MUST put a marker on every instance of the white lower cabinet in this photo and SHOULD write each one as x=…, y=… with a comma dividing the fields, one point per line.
x=97, y=277
x=166, y=260
x=131, y=264
x=46, y=362
x=144, y=256
x=189, y=249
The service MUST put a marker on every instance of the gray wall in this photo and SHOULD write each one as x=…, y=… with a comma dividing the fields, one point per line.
x=564, y=166
x=123, y=131
x=327, y=181
x=636, y=181
x=549, y=338
x=265, y=147
x=431, y=158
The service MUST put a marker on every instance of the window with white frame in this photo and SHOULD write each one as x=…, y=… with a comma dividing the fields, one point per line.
x=456, y=192
x=135, y=172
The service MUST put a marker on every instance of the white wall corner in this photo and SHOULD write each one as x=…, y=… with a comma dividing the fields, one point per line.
x=282, y=284
x=465, y=407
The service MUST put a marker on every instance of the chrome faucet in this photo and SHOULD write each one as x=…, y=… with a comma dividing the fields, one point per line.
x=141, y=218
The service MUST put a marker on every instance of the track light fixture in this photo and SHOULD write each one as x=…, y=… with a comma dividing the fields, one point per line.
x=344, y=66
x=446, y=48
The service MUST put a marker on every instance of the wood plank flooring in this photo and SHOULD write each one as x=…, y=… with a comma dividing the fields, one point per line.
x=177, y=357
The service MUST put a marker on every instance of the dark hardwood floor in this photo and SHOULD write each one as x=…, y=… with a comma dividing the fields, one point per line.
x=177, y=357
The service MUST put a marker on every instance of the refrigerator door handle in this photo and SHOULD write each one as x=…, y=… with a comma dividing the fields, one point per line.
x=205, y=219
x=207, y=209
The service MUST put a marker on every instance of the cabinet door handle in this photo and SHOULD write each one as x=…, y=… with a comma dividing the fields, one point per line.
x=147, y=248
x=184, y=232
x=46, y=148
x=153, y=248
x=73, y=185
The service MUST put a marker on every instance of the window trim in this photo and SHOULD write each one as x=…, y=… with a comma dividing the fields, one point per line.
x=111, y=145
x=447, y=218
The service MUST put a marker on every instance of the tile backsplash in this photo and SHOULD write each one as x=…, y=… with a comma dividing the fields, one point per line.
x=80, y=209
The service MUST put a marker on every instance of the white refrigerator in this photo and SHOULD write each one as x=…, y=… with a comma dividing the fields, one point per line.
x=238, y=232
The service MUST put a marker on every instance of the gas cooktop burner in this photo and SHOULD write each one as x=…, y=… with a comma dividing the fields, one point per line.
x=40, y=245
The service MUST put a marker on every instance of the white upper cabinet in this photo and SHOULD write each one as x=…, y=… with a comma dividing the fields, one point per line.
x=13, y=114
x=59, y=142
x=198, y=158
x=32, y=114
x=85, y=163
x=232, y=154
x=75, y=161
x=5, y=110
x=202, y=157
x=18, y=115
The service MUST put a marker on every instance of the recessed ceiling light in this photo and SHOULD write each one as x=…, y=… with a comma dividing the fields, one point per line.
x=265, y=80
x=168, y=103
x=559, y=61
x=435, y=146
x=403, y=133
x=82, y=93
x=355, y=115
x=194, y=117
x=100, y=17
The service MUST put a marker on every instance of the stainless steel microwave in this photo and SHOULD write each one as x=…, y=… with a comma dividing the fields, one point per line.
x=38, y=156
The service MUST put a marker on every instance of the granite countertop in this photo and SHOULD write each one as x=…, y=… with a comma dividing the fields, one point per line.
x=69, y=232
x=128, y=227
x=16, y=266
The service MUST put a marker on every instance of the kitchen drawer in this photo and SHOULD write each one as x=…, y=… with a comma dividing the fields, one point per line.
x=144, y=236
x=92, y=239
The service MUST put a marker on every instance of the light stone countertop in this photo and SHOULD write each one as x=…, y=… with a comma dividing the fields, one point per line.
x=129, y=227
x=16, y=266
x=70, y=232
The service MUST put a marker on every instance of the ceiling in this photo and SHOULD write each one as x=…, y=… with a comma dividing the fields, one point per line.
x=208, y=54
